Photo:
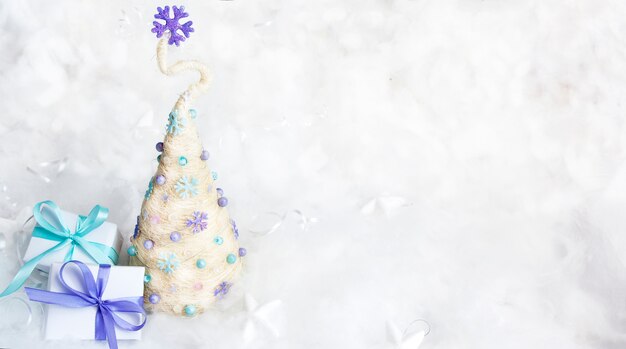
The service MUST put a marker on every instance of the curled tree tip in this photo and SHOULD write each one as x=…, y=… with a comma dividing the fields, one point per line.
x=172, y=24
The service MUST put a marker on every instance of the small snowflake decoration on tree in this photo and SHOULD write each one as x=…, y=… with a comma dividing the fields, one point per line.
x=172, y=24
x=167, y=262
x=235, y=230
x=136, y=232
x=199, y=221
x=222, y=289
x=175, y=124
x=187, y=186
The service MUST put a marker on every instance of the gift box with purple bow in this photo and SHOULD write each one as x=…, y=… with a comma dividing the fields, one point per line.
x=100, y=302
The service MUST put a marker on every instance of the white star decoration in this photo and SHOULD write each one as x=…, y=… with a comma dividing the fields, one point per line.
x=260, y=318
x=404, y=340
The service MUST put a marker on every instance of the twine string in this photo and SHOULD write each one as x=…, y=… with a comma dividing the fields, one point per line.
x=200, y=86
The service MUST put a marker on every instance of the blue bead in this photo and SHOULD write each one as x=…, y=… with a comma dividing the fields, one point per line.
x=175, y=236
x=218, y=240
x=201, y=263
x=193, y=113
x=154, y=298
x=182, y=161
x=204, y=156
x=190, y=310
x=132, y=251
x=147, y=278
x=159, y=146
x=222, y=202
x=160, y=179
x=231, y=258
x=242, y=252
x=214, y=175
x=148, y=244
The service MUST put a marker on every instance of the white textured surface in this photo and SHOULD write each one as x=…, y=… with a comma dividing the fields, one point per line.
x=464, y=159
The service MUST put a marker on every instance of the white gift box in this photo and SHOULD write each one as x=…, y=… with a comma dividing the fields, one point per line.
x=80, y=323
x=106, y=234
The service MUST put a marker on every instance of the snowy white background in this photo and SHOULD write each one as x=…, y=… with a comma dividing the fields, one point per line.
x=459, y=161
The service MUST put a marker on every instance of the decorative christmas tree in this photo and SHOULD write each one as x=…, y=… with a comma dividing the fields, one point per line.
x=184, y=235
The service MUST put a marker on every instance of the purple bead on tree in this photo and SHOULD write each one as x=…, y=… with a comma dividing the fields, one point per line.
x=154, y=298
x=222, y=202
x=172, y=24
x=175, y=236
x=148, y=244
x=160, y=180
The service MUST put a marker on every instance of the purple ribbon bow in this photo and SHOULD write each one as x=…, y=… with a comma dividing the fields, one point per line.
x=106, y=317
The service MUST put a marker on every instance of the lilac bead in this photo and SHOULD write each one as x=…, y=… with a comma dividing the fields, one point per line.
x=204, y=156
x=175, y=236
x=223, y=201
x=154, y=298
x=242, y=252
x=160, y=179
x=219, y=191
x=159, y=146
x=148, y=244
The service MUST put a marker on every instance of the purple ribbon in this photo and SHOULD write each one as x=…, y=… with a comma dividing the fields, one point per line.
x=106, y=317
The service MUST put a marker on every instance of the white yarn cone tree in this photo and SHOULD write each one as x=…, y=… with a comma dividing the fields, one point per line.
x=184, y=235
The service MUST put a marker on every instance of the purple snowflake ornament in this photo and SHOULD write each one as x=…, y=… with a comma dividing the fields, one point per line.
x=222, y=289
x=172, y=24
x=235, y=230
x=199, y=221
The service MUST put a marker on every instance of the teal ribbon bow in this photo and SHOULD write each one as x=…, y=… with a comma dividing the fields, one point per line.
x=50, y=226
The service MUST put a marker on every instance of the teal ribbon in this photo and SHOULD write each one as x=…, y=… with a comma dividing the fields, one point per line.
x=50, y=226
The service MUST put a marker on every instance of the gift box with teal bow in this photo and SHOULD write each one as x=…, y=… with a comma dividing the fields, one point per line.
x=60, y=236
